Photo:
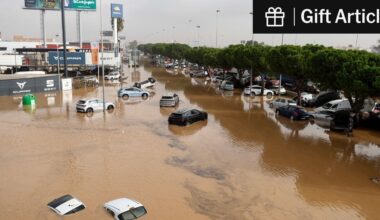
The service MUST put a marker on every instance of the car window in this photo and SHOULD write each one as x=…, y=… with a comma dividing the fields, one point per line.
x=334, y=106
x=126, y=216
x=138, y=212
x=283, y=100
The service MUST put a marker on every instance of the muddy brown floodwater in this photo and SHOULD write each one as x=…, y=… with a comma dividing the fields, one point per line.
x=243, y=163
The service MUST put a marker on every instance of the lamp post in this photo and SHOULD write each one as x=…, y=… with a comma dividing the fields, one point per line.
x=253, y=35
x=102, y=55
x=64, y=37
x=190, y=31
x=250, y=83
x=356, y=42
x=173, y=34
x=58, y=67
x=216, y=33
x=198, y=27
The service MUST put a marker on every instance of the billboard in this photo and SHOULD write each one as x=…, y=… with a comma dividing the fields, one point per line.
x=19, y=86
x=56, y=4
x=116, y=10
x=72, y=58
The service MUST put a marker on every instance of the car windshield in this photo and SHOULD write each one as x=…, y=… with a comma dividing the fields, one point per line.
x=327, y=106
x=133, y=214
x=82, y=102
x=167, y=97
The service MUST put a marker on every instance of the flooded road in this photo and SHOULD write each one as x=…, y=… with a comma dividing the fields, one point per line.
x=243, y=163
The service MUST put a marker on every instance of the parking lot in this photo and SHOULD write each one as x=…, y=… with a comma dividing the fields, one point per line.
x=244, y=162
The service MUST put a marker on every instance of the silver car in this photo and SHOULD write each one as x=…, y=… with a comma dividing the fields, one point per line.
x=170, y=100
x=277, y=103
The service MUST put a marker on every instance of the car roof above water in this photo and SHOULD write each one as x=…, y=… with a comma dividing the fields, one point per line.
x=123, y=204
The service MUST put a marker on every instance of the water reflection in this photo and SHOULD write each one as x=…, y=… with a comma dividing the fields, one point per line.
x=187, y=130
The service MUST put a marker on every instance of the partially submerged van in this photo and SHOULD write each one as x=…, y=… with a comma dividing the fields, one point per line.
x=335, y=105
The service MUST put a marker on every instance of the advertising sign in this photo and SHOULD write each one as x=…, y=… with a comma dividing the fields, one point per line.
x=56, y=4
x=72, y=58
x=323, y=16
x=116, y=10
x=95, y=52
x=67, y=84
x=29, y=85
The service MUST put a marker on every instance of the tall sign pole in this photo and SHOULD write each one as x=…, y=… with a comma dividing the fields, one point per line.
x=64, y=37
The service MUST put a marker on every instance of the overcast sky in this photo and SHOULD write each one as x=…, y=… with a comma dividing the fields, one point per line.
x=164, y=21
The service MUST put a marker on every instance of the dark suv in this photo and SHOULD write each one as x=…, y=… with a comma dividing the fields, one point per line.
x=185, y=117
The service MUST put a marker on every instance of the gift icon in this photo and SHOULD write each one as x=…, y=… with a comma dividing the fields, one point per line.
x=275, y=17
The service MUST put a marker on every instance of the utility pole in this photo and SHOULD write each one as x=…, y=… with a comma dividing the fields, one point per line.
x=64, y=37
x=102, y=56
x=216, y=33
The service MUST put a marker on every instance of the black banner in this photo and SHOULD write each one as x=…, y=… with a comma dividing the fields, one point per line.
x=322, y=16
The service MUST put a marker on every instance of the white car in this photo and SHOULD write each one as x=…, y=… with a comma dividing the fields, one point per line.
x=335, y=105
x=125, y=209
x=256, y=90
x=150, y=82
x=282, y=102
x=66, y=205
x=170, y=100
x=278, y=90
x=112, y=76
x=92, y=105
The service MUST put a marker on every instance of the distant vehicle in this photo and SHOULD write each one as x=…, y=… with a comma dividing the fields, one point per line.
x=256, y=90
x=335, y=105
x=170, y=100
x=85, y=81
x=293, y=112
x=150, y=82
x=323, y=98
x=126, y=93
x=199, y=74
x=185, y=117
x=113, y=76
x=226, y=85
x=66, y=205
x=125, y=209
x=277, y=103
x=92, y=105
x=305, y=98
x=277, y=90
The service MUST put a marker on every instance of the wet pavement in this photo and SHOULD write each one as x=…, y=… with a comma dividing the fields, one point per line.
x=243, y=163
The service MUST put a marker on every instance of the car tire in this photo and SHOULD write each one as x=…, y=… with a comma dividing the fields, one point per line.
x=271, y=105
x=269, y=95
x=89, y=110
x=125, y=97
x=144, y=96
x=205, y=116
x=110, y=108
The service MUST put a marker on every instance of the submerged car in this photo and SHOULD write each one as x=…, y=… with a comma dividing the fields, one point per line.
x=125, y=209
x=256, y=90
x=66, y=205
x=340, y=120
x=293, y=112
x=170, y=100
x=92, y=105
x=113, y=76
x=282, y=102
x=186, y=116
x=226, y=85
x=126, y=93
x=150, y=82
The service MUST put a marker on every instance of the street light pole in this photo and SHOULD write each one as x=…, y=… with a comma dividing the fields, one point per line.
x=216, y=34
x=102, y=56
x=64, y=37
x=198, y=27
